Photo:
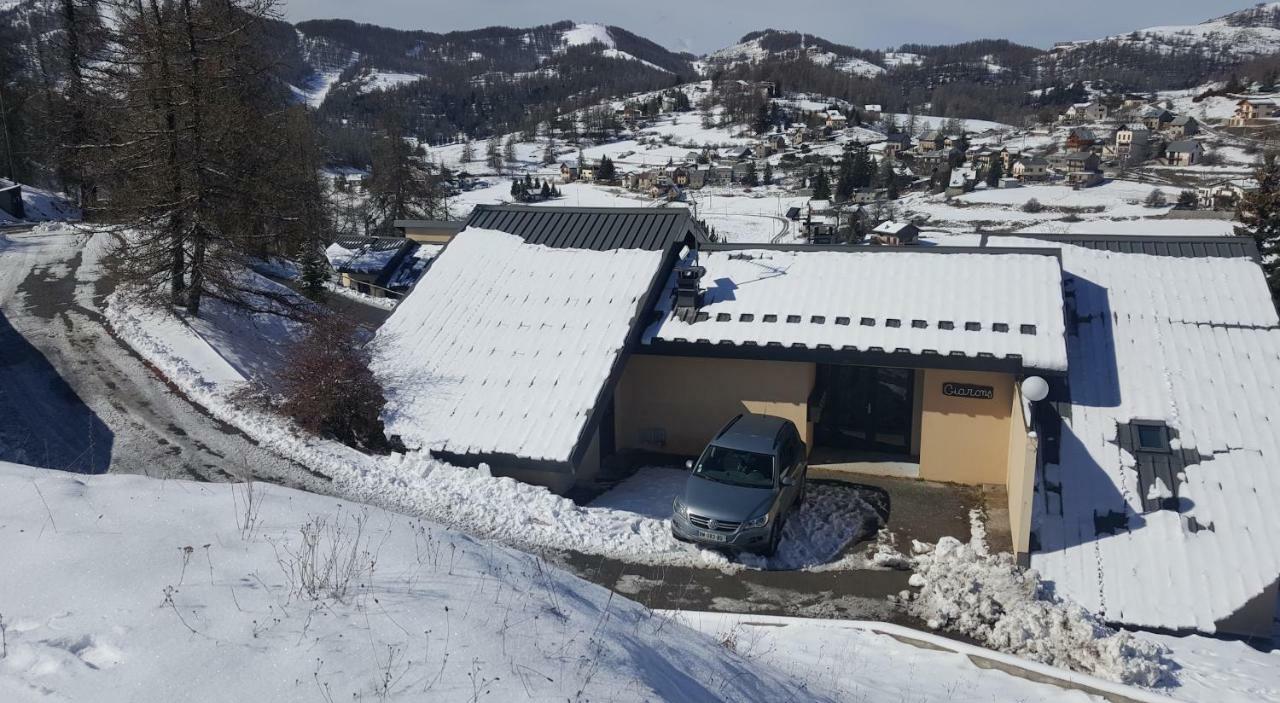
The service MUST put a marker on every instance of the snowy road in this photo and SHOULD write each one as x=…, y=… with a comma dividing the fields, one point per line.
x=73, y=397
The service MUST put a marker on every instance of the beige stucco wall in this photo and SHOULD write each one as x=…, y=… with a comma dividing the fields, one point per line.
x=429, y=236
x=965, y=440
x=1021, y=480
x=689, y=399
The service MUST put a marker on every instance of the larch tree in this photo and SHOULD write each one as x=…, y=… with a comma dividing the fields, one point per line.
x=1259, y=215
x=402, y=185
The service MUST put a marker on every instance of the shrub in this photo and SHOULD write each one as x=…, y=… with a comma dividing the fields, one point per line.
x=1156, y=198
x=327, y=388
x=1032, y=205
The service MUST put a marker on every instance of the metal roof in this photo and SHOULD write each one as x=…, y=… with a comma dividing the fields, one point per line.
x=1180, y=247
x=600, y=229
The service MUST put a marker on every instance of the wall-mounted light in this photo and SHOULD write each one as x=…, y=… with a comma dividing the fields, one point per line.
x=1035, y=389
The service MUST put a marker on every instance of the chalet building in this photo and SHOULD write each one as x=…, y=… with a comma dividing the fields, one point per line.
x=1225, y=194
x=1182, y=126
x=929, y=162
x=891, y=233
x=896, y=143
x=1081, y=139
x=1249, y=110
x=1083, y=169
x=1085, y=112
x=568, y=173
x=1184, y=153
x=381, y=267
x=1031, y=169
x=999, y=364
x=836, y=120
x=1155, y=118
x=871, y=113
x=1131, y=141
x=931, y=141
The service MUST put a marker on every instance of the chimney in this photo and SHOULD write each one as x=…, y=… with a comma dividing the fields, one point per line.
x=688, y=291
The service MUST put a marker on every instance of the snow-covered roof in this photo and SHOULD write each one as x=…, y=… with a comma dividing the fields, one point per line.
x=1002, y=305
x=1193, y=343
x=871, y=108
x=890, y=227
x=503, y=347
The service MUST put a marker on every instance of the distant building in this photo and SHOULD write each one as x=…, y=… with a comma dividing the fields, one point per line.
x=568, y=174
x=1224, y=195
x=1032, y=168
x=1248, y=110
x=871, y=113
x=1131, y=141
x=1182, y=126
x=893, y=233
x=1184, y=153
x=1081, y=139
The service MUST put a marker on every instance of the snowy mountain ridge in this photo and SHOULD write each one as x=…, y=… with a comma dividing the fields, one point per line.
x=769, y=43
x=1243, y=34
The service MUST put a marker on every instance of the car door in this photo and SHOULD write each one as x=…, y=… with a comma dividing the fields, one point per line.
x=791, y=469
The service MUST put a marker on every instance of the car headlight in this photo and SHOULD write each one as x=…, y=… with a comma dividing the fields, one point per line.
x=757, y=522
x=678, y=508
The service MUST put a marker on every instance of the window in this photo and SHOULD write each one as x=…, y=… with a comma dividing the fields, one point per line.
x=735, y=467
x=1152, y=437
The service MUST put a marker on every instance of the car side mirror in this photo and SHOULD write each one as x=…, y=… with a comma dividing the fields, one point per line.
x=688, y=464
x=788, y=481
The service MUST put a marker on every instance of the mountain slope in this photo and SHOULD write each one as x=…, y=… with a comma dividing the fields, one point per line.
x=774, y=44
x=1172, y=56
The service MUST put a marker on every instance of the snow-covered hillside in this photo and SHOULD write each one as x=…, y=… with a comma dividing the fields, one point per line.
x=583, y=34
x=817, y=50
x=1244, y=34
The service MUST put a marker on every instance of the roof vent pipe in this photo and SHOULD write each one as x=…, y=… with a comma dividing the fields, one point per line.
x=688, y=291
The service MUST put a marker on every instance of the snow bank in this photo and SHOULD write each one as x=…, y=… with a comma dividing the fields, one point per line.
x=965, y=589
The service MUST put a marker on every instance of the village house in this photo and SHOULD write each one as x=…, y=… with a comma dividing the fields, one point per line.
x=931, y=141
x=568, y=173
x=1249, y=110
x=891, y=233
x=1083, y=169
x=1182, y=126
x=1131, y=141
x=929, y=162
x=1085, y=112
x=1001, y=364
x=1183, y=153
x=1081, y=139
x=1154, y=117
x=372, y=265
x=871, y=113
x=1031, y=168
x=836, y=120
x=961, y=181
x=896, y=143
x=1225, y=194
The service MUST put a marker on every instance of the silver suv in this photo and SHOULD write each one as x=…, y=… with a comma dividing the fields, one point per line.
x=747, y=480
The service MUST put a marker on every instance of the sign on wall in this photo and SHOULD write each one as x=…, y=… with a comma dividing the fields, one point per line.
x=968, y=390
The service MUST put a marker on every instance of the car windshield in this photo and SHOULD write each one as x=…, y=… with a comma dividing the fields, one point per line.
x=736, y=467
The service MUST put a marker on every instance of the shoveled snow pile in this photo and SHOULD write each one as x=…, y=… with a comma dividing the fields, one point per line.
x=966, y=590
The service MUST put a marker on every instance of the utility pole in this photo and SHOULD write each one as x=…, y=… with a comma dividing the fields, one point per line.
x=8, y=144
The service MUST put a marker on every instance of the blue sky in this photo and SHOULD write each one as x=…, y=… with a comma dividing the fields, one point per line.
x=704, y=25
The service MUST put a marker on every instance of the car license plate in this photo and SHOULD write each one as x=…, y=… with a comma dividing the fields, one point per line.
x=712, y=536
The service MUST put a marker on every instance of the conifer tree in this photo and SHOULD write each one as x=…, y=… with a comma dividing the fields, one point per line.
x=1259, y=215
